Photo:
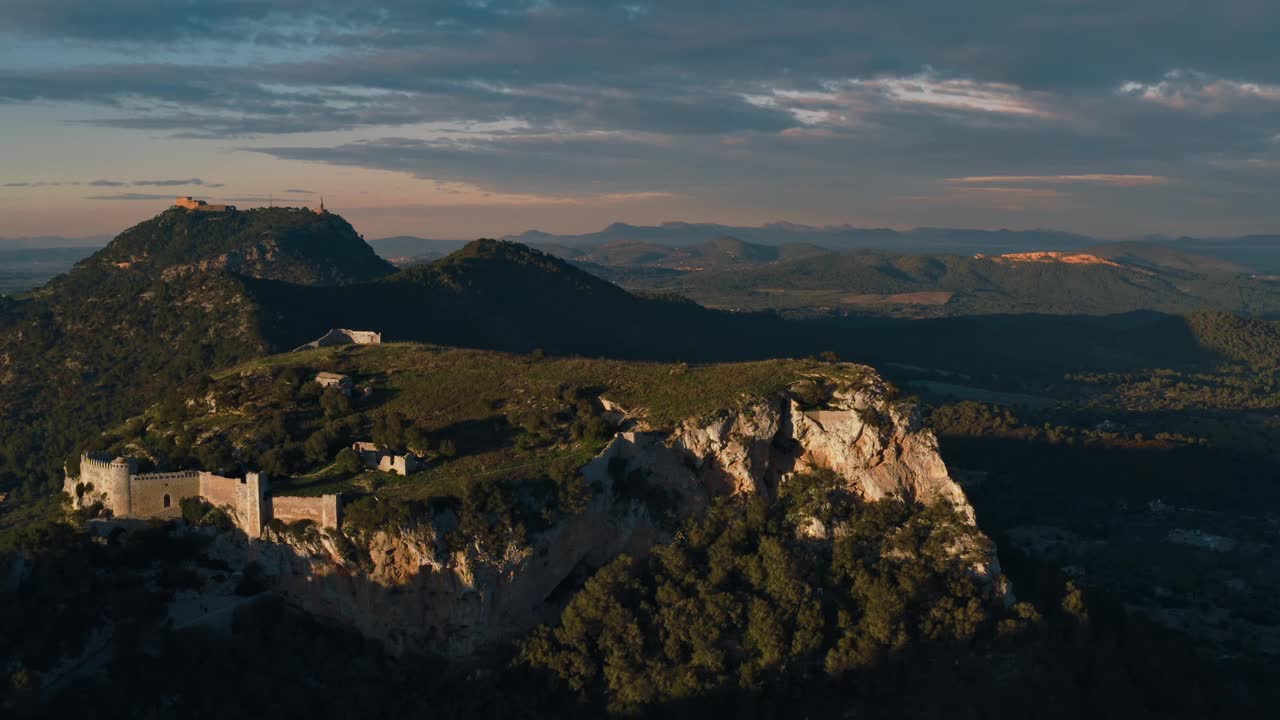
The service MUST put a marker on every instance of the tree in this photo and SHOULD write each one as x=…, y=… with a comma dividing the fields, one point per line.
x=348, y=462
x=319, y=447
x=334, y=403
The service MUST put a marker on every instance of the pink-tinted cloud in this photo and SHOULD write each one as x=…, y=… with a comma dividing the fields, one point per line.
x=1122, y=180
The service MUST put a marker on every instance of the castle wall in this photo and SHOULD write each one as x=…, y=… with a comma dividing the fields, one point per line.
x=243, y=497
x=221, y=491
x=128, y=494
x=323, y=510
x=149, y=490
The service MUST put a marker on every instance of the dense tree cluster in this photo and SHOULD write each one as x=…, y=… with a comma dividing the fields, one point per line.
x=743, y=595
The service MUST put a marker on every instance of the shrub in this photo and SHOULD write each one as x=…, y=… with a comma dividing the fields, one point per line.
x=193, y=510
x=334, y=403
x=371, y=513
x=198, y=513
x=301, y=530
x=810, y=392
x=347, y=550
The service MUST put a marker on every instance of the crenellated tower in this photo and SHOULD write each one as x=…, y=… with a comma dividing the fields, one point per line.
x=111, y=478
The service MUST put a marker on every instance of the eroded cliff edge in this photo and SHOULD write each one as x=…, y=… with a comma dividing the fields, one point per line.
x=414, y=586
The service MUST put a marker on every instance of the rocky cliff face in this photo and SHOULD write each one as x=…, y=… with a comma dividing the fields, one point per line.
x=412, y=591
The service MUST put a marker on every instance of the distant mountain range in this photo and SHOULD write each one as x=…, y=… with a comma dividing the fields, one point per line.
x=640, y=253
x=624, y=245
x=957, y=240
x=1097, y=281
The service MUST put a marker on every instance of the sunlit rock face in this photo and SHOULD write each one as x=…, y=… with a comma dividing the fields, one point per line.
x=413, y=590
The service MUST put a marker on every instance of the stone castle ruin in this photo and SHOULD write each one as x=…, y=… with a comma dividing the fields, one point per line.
x=388, y=461
x=343, y=336
x=118, y=485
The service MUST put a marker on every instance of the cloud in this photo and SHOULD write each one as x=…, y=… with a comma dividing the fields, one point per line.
x=130, y=196
x=299, y=191
x=1198, y=92
x=40, y=183
x=1095, y=178
x=809, y=106
x=169, y=183
x=149, y=183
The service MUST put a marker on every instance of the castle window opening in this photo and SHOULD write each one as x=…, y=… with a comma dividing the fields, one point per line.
x=167, y=500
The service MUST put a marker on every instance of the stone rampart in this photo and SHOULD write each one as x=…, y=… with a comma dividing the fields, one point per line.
x=130, y=495
x=159, y=494
x=323, y=510
x=222, y=491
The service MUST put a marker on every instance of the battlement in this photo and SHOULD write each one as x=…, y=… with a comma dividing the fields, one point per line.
x=167, y=476
x=103, y=461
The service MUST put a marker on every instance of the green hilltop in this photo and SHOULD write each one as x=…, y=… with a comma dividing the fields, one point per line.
x=474, y=414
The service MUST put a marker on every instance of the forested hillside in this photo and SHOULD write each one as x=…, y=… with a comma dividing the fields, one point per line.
x=163, y=302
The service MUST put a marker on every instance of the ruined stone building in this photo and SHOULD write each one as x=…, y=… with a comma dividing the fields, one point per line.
x=334, y=380
x=384, y=460
x=342, y=336
x=117, y=484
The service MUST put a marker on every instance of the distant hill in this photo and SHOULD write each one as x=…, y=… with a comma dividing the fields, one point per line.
x=1156, y=256
x=1249, y=341
x=507, y=296
x=292, y=244
x=1115, y=279
x=1253, y=253
x=1259, y=253
x=840, y=237
x=404, y=250
x=719, y=253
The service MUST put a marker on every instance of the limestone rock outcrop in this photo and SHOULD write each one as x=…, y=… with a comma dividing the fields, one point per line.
x=412, y=590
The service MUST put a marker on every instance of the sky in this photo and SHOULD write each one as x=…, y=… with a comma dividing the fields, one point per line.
x=1114, y=118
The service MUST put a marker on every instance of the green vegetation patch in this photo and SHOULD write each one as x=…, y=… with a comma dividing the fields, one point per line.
x=470, y=416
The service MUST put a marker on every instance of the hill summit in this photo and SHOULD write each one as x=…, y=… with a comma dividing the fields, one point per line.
x=289, y=244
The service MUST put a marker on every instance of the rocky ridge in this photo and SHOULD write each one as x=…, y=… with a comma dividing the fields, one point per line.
x=407, y=587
